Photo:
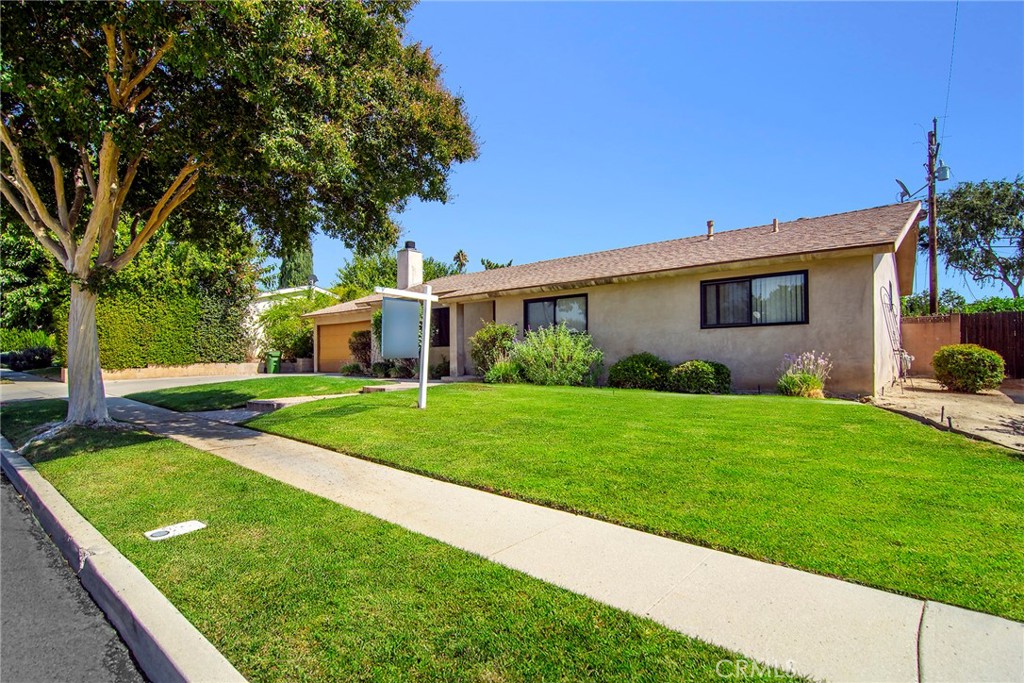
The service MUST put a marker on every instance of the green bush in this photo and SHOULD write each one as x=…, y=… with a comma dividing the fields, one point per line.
x=968, y=368
x=504, y=371
x=723, y=377
x=28, y=359
x=558, y=355
x=351, y=369
x=804, y=384
x=693, y=377
x=995, y=304
x=135, y=332
x=439, y=370
x=286, y=330
x=401, y=371
x=491, y=342
x=381, y=368
x=640, y=371
x=359, y=344
x=19, y=340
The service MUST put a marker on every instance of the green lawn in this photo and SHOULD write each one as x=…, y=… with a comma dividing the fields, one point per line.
x=833, y=487
x=290, y=586
x=223, y=395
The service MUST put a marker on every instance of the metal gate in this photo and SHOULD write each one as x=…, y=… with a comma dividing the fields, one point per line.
x=1001, y=332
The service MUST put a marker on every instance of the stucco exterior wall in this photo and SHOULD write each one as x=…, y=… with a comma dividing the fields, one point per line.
x=475, y=316
x=663, y=316
x=887, y=281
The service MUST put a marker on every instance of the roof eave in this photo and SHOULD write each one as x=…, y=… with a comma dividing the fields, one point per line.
x=843, y=252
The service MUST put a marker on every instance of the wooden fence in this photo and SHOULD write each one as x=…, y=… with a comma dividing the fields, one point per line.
x=1001, y=332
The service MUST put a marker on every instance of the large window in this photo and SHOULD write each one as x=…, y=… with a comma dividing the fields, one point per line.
x=571, y=310
x=763, y=300
x=440, y=329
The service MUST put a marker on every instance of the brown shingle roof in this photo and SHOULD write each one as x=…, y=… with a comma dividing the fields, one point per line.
x=876, y=227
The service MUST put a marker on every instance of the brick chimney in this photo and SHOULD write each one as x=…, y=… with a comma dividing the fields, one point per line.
x=410, y=266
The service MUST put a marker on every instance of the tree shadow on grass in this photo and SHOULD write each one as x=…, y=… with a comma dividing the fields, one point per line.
x=77, y=441
x=337, y=408
x=195, y=399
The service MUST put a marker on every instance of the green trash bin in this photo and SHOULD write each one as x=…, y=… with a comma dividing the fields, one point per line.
x=273, y=362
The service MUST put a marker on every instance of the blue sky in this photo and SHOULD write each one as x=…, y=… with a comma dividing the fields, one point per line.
x=605, y=124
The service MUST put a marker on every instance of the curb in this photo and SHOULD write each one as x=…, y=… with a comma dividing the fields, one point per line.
x=165, y=644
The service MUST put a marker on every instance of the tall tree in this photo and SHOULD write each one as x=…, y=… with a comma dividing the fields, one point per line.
x=488, y=264
x=279, y=115
x=981, y=231
x=461, y=260
x=296, y=266
x=363, y=272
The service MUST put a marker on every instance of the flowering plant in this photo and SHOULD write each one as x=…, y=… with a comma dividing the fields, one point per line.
x=804, y=374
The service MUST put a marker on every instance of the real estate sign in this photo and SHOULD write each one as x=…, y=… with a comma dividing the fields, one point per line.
x=400, y=328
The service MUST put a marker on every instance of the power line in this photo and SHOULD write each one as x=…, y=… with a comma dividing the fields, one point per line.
x=949, y=79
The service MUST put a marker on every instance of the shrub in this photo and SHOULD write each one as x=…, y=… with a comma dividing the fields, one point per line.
x=504, y=371
x=804, y=374
x=286, y=330
x=995, y=304
x=439, y=370
x=640, y=371
x=723, y=377
x=400, y=371
x=801, y=384
x=359, y=344
x=138, y=331
x=29, y=359
x=492, y=341
x=558, y=355
x=351, y=369
x=968, y=368
x=381, y=368
x=20, y=340
x=692, y=377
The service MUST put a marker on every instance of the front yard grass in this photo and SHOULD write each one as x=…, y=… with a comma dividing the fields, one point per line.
x=832, y=487
x=235, y=394
x=290, y=586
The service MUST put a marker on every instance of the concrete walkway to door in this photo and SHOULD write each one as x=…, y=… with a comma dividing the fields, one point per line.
x=818, y=626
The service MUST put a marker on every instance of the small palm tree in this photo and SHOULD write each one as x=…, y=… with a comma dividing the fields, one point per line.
x=460, y=259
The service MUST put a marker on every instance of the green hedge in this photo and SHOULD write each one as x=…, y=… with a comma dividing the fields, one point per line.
x=136, y=332
x=20, y=340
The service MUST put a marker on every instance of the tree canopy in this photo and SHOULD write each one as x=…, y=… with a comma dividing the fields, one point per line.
x=362, y=273
x=981, y=231
x=488, y=264
x=282, y=117
x=296, y=266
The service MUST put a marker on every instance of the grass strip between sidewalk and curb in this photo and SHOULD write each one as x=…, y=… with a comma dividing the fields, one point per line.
x=831, y=487
x=235, y=394
x=291, y=586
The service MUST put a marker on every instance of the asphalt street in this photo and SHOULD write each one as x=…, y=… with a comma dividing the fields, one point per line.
x=50, y=629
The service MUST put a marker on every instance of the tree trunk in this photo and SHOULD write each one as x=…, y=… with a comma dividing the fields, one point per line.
x=87, y=403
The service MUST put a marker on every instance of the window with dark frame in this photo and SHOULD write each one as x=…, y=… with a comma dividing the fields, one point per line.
x=554, y=310
x=440, y=328
x=777, y=299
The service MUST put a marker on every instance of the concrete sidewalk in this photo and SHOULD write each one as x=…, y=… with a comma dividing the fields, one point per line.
x=821, y=627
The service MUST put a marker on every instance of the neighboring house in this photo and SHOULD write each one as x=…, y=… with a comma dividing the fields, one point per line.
x=264, y=300
x=742, y=297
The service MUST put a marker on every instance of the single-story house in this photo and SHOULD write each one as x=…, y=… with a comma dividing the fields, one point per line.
x=742, y=297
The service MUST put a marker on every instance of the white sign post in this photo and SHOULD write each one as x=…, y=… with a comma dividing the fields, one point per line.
x=426, y=298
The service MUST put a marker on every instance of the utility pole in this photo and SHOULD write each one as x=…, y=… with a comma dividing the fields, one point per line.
x=933, y=248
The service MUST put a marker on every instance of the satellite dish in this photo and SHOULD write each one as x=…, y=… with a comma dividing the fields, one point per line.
x=904, y=192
